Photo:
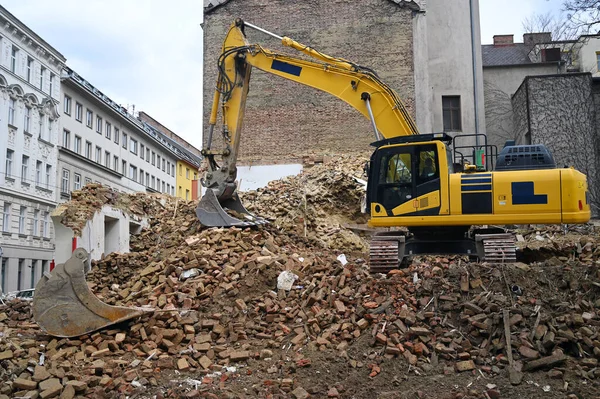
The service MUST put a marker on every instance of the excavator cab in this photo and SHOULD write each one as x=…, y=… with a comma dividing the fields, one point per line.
x=406, y=175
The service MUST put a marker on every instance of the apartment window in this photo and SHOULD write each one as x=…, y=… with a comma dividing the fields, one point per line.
x=187, y=195
x=13, y=59
x=147, y=154
x=108, y=130
x=50, y=127
x=168, y=168
x=42, y=73
x=180, y=192
x=67, y=105
x=24, y=167
x=116, y=163
x=77, y=145
x=180, y=170
x=9, y=162
x=65, y=182
x=22, y=213
x=133, y=146
x=38, y=173
x=89, y=118
x=157, y=184
x=117, y=134
x=51, y=83
x=451, y=113
x=168, y=188
x=99, y=124
x=158, y=161
x=195, y=176
x=187, y=173
x=132, y=172
x=36, y=222
x=107, y=159
x=98, y=154
x=66, y=142
x=153, y=181
x=48, y=174
x=78, y=112
x=6, y=217
x=88, y=150
x=29, y=68
x=11, y=111
x=77, y=181
x=153, y=158
x=173, y=191
x=142, y=151
x=163, y=186
x=173, y=170
x=20, y=274
x=141, y=181
x=27, y=119
x=41, y=126
x=88, y=181
x=147, y=179
x=45, y=229
x=124, y=140
x=124, y=167
x=163, y=164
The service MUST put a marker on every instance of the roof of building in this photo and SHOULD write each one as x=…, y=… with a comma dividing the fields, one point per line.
x=160, y=138
x=512, y=54
x=415, y=5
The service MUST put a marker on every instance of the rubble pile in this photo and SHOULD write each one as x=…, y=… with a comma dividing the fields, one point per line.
x=90, y=199
x=317, y=203
x=266, y=312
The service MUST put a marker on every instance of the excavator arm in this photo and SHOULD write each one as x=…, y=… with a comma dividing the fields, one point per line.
x=358, y=86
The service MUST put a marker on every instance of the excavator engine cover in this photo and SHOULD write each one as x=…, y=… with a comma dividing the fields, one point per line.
x=211, y=212
x=64, y=306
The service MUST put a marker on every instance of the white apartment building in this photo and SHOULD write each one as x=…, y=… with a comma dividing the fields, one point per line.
x=29, y=118
x=101, y=142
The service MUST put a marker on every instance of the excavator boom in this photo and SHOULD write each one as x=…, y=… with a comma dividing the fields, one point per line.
x=358, y=86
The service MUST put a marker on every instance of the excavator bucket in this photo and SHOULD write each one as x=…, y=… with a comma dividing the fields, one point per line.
x=64, y=306
x=212, y=213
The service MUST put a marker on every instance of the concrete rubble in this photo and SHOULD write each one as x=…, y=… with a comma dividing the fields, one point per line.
x=223, y=329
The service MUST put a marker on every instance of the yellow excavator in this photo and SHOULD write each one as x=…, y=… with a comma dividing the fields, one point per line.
x=435, y=185
x=428, y=183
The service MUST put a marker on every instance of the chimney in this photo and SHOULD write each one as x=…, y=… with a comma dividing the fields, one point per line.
x=503, y=40
x=532, y=39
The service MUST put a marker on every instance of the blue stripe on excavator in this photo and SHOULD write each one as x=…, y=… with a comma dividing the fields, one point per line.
x=285, y=67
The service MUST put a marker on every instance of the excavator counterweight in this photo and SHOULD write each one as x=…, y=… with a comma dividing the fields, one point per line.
x=64, y=306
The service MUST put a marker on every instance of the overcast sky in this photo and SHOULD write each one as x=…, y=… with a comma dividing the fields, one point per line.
x=149, y=52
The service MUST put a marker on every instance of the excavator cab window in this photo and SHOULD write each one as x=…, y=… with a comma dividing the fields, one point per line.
x=401, y=174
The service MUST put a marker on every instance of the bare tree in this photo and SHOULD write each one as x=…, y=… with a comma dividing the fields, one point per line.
x=558, y=26
x=583, y=15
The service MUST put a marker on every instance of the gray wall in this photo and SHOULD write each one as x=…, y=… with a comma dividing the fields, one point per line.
x=559, y=112
x=500, y=84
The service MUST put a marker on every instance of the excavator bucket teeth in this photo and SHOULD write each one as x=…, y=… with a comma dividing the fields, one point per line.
x=211, y=212
x=64, y=306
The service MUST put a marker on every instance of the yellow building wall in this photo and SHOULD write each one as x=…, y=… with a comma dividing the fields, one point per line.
x=185, y=174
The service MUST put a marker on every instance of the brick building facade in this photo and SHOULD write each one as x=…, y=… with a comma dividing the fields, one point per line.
x=287, y=120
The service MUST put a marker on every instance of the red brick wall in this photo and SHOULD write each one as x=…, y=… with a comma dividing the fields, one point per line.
x=286, y=120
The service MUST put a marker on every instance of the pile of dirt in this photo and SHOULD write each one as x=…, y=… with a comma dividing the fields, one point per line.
x=317, y=203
